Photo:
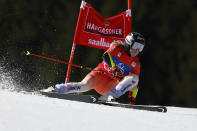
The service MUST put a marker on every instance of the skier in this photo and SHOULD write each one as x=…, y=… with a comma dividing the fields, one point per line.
x=121, y=69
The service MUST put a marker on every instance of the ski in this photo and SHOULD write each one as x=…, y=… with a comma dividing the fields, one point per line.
x=138, y=107
x=74, y=97
x=94, y=99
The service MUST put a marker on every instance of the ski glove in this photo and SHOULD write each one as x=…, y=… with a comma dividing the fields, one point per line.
x=117, y=74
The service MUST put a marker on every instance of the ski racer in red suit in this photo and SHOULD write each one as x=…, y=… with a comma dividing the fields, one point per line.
x=121, y=66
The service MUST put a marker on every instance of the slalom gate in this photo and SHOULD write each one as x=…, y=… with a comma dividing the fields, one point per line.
x=96, y=31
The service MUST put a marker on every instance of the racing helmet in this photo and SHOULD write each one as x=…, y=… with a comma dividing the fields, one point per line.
x=135, y=41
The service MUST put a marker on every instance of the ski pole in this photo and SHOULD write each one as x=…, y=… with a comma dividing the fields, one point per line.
x=52, y=59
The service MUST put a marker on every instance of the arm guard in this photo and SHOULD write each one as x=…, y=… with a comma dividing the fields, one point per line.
x=108, y=59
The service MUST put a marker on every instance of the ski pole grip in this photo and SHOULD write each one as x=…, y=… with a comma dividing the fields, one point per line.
x=27, y=53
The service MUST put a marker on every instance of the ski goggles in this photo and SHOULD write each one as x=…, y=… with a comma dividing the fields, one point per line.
x=137, y=45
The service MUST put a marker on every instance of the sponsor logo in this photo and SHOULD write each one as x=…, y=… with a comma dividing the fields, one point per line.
x=91, y=27
x=93, y=99
x=107, y=68
x=133, y=82
x=100, y=42
x=74, y=88
x=121, y=67
x=107, y=23
x=126, y=88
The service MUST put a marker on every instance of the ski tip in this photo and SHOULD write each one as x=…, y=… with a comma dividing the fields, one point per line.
x=50, y=89
x=164, y=109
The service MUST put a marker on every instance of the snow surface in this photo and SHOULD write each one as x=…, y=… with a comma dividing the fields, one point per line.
x=33, y=112
x=23, y=111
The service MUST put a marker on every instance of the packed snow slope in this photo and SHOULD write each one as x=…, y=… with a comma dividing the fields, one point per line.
x=33, y=112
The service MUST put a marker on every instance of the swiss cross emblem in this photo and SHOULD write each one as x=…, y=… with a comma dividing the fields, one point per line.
x=133, y=64
x=119, y=54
